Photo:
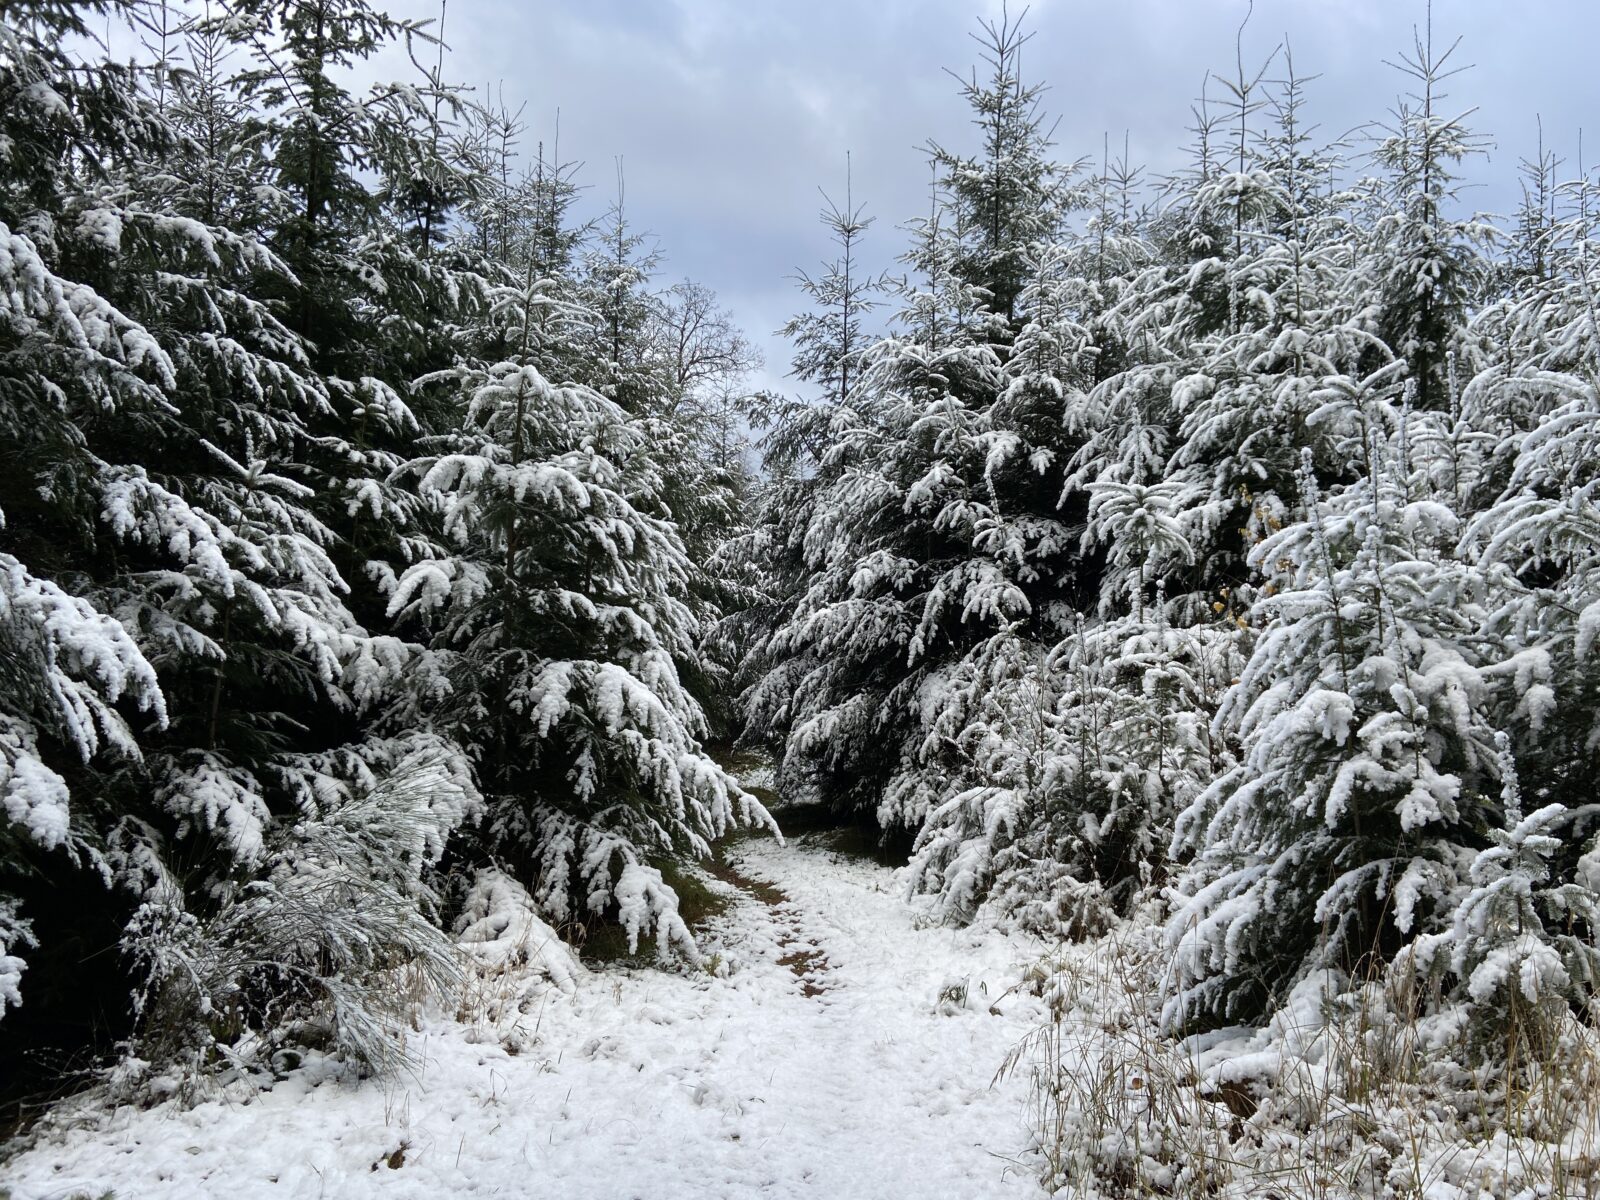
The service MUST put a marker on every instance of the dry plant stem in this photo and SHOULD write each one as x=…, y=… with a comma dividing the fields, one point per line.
x=1369, y=1100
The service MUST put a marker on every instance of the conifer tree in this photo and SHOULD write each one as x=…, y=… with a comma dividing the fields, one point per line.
x=617, y=270
x=1010, y=196
x=562, y=612
x=79, y=689
x=1427, y=263
x=828, y=338
x=1367, y=752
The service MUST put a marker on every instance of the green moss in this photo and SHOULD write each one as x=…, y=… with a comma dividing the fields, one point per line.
x=851, y=835
x=743, y=763
x=866, y=841
x=768, y=797
x=698, y=903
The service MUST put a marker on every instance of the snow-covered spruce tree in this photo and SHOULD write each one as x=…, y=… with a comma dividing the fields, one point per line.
x=1080, y=756
x=1532, y=350
x=1007, y=206
x=672, y=359
x=888, y=547
x=1539, y=543
x=809, y=450
x=1077, y=750
x=617, y=268
x=1424, y=264
x=1534, y=413
x=1245, y=405
x=1355, y=824
x=1094, y=271
x=1127, y=744
x=217, y=171
x=1132, y=692
x=1368, y=761
x=65, y=668
x=321, y=945
x=678, y=366
x=559, y=616
x=301, y=711
x=1512, y=447
x=78, y=690
x=916, y=549
x=1535, y=235
x=770, y=556
x=276, y=744
x=1011, y=195
x=997, y=750
x=374, y=284
x=829, y=338
x=1520, y=947
x=495, y=217
x=1162, y=293
x=164, y=489
x=1089, y=407
x=986, y=839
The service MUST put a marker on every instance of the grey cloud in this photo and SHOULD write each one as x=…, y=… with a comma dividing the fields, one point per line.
x=730, y=113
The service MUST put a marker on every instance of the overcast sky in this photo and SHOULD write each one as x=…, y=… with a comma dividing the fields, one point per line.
x=729, y=114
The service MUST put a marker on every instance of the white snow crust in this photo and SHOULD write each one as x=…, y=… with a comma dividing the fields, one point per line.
x=866, y=1075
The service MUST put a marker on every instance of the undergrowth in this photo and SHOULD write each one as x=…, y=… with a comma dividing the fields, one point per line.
x=699, y=901
x=1355, y=1089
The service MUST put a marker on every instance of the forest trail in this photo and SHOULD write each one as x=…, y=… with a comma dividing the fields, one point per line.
x=846, y=1054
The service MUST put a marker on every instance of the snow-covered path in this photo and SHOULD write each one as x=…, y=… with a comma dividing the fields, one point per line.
x=822, y=1066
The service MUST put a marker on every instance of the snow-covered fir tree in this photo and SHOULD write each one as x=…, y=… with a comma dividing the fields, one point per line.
x=1367, y=756
x=562, y=610
x=211, y=717
x=912, y=557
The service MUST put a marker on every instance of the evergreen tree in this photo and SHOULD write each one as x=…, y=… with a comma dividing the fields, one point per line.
x=1426, y=263
x=915, y=553
x=828, y=338
x=889, y=552
x=1515, y=947
x=561, y=614
x=617, y=271
x=1009, y=197
x=79, y=689
x=1368, y=759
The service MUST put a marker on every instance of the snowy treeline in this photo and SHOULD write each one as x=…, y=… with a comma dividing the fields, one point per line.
x=356, y=510
x=375, y=561
x=1224, y=550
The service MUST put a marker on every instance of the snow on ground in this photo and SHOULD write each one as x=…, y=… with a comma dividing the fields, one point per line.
x=848, y=1053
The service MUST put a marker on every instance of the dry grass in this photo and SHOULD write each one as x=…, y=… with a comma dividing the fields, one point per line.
x=1366, y=1100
